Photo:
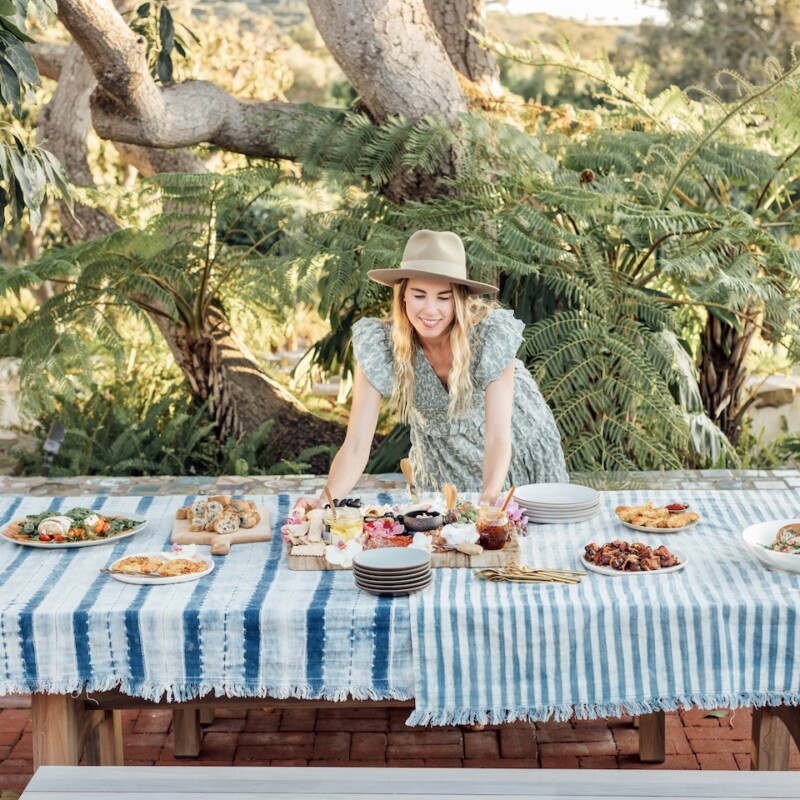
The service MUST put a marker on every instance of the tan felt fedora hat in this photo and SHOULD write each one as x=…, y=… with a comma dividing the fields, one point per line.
x=432, y=256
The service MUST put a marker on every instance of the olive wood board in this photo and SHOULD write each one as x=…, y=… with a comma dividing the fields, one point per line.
x=451, y=559
x=221, y=542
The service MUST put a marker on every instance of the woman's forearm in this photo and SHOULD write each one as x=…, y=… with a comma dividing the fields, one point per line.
x=496, y=461
x=346, y=468
x=350, y=461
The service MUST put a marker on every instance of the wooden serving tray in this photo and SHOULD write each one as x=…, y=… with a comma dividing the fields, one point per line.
x=221, y=542
x=452, y=559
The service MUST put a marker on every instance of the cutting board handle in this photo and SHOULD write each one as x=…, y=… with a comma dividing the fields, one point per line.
x=221, y=546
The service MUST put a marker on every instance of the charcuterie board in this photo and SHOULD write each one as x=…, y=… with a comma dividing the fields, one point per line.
x=451, y=559
x=221, y=542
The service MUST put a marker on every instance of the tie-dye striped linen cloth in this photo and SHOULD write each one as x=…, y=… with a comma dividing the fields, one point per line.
x=252, y=628
x=722, y=632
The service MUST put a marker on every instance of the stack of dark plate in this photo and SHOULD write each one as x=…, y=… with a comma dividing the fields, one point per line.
x=392, y=571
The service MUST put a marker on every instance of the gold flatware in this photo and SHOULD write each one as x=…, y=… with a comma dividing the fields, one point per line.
x=522, y=573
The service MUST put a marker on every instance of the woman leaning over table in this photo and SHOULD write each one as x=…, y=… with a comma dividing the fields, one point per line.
x=446, y=358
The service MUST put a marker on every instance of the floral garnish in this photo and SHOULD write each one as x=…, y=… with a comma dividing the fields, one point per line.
x=341, y=554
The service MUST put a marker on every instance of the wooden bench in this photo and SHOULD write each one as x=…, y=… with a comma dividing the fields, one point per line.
x=305, y=783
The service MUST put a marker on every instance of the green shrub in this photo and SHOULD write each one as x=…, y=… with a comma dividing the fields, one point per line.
x=120, y=428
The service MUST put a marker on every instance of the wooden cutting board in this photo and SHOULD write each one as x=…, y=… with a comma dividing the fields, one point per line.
x=221, y=542
x=452, y=559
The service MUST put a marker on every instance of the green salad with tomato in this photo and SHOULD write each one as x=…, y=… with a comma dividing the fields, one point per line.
x=74, y=525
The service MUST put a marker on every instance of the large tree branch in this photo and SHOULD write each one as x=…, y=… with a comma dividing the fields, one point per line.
x=128, y=105
x=393, y=56
x=390, y=50
x=64, y=125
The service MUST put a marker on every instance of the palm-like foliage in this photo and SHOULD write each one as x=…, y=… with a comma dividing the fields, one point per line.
x=604, y=239
x=598, y=237
x=203, y=248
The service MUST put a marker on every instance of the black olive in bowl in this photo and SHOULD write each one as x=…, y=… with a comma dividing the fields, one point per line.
x=421, y=521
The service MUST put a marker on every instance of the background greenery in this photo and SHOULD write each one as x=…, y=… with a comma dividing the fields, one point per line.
x=626, y=213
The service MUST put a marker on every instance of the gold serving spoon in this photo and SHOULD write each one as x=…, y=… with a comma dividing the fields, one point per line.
x=408, y=473
x=450, y=496
x=508, y=498
x=327, y=493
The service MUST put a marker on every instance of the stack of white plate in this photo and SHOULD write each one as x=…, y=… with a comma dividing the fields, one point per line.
x=557, y=502
x=392, y=571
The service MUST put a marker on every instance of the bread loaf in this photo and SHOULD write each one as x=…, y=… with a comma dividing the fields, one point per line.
x=227, y=523
x=250, y=519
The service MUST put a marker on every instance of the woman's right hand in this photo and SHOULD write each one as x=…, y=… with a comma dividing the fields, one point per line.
x=307, y=503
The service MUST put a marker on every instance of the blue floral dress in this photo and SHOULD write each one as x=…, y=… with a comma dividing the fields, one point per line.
x=445, y=450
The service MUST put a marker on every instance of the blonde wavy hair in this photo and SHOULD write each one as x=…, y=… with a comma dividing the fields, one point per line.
x=469, y=311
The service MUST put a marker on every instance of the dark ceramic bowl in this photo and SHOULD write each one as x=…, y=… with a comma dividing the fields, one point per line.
x=417, y=521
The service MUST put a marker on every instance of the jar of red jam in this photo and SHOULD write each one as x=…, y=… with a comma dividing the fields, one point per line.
x=493, y=528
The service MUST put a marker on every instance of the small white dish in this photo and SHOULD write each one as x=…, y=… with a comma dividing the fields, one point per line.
x=758, y=537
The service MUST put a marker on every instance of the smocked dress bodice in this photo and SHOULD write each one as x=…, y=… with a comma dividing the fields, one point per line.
x=447, y=450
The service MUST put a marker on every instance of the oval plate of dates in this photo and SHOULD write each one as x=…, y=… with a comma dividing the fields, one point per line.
x=620, y=558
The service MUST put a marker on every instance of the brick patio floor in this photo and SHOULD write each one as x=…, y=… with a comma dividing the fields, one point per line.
x=379, y=737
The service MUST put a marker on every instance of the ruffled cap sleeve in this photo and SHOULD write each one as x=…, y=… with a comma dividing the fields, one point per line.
x=499, y=337
x=372, y=346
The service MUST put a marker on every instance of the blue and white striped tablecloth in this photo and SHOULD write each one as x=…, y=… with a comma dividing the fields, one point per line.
x=252, y=628
x=722, y=632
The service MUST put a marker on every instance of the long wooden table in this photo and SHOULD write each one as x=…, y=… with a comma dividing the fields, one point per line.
x=65, y=725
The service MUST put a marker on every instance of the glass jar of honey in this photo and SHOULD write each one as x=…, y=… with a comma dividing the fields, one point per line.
x=347, y=524
x=493, y=528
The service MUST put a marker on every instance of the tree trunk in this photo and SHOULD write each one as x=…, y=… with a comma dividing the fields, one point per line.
x=453, y=21
x=393, y=56
x=240, y=397
x=722, y=374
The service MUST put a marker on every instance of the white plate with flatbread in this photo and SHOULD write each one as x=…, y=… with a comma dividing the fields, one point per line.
x=650, y=529
x=145, y=579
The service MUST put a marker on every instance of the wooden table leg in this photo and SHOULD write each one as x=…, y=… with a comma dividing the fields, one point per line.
x=104, y=741
x=207, y=715
x=772, y=726
x=186, y=732
x=60, y=727
x=652, y=737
